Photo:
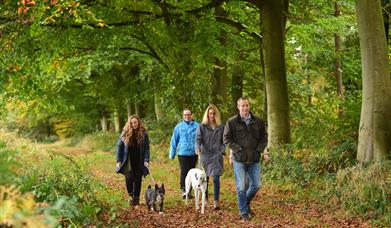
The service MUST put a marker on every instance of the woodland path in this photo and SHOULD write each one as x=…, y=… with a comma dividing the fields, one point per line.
x=271, y=209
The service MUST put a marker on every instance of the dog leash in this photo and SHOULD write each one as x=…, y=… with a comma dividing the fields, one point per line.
x=150, y=173
x=200, y=166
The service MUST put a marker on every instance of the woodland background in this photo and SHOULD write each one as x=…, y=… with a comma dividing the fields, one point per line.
x=72, y=71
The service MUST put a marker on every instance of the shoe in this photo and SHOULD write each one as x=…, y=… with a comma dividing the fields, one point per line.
x=245, y=217
x=189, y=196
x=249, y=209
x=136, y=201
x=216, y=205
x=131, y=197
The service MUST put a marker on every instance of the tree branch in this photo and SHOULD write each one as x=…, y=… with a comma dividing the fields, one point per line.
x=210, y=5
x=239, y=26
x=151, y=49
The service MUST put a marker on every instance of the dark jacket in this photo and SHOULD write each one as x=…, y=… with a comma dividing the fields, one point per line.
x=123, y=150
x=246, y=141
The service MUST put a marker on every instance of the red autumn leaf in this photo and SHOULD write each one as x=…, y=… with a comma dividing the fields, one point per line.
x=20, y=10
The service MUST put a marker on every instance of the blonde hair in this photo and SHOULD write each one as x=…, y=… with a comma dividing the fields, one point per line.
x=205, y=119
x=128, y=131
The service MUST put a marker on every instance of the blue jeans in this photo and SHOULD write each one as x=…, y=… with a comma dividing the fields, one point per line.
x=216, y=187
x=250, y=173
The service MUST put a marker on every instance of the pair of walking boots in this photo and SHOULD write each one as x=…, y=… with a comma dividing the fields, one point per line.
x=133, y=201
x=216, y=204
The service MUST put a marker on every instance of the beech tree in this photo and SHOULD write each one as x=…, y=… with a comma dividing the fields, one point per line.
x=375, y=123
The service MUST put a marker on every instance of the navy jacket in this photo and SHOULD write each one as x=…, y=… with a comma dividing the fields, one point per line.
x=123, y=150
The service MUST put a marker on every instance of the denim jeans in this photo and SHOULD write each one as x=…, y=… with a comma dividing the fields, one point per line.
x=216, y=187
x=250, y=173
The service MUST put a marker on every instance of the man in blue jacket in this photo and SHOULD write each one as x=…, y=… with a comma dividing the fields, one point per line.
x=183, y=144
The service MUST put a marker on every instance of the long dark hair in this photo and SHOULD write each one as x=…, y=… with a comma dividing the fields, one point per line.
x=128, y=131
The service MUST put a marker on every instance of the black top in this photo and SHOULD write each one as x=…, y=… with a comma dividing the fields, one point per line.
x=134, y=154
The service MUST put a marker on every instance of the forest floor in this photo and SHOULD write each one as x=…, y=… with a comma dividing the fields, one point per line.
x=272, y=207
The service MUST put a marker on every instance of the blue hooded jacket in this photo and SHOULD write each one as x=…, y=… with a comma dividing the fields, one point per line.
x=183, y=139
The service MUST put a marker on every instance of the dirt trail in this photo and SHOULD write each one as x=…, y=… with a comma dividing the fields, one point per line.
x=271, y=210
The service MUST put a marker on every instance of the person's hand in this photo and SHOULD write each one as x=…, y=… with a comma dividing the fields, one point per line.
x=146, y=164
x=231, y=162
x=118, y=164
x=198, y=151
x=266, y=157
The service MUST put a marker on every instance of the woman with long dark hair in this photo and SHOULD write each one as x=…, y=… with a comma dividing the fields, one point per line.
x=133, y=157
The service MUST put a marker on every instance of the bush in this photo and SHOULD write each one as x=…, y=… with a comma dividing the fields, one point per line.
x=105, y=141
x=7, y=165
x=65, y=184
x=160, y=131
x=284, y=168
x=363, y=190
x=330, y=161
x=21, y=210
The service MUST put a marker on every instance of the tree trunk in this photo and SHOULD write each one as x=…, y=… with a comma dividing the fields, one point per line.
x=236, y=87
x=262, y=59
x=219, y=93
x=374, y=142
x=158, y=107
x=275, y=71
x=129, y=108
x=138, y=109
x=117, y=122
x=338, y=65
x=386, y=17
x=104, y=123
x=219, y=80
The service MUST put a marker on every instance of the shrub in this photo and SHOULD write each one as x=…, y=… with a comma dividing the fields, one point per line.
x=330, y=161
x=68, y=186
x=160, y=131
x=21, y=210
x=105, y=141
x=7, y=165
x=363, y=190
x=63, y=128
x=284, y=168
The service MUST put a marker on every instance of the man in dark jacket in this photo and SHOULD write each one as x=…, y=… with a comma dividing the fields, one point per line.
x=245, y=135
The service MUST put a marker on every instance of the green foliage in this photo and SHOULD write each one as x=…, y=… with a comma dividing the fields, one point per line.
x=8, y=165
x=63, y=128
x=81, y=60
x=99, y=141
x=285, y=169
x=363, y=190
x=333, y=177
x=160, y=132
x=20, y=210
x=326, y=162
x=66, y=185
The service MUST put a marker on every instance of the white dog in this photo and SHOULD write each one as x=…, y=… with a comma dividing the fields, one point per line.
x=196, y=179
